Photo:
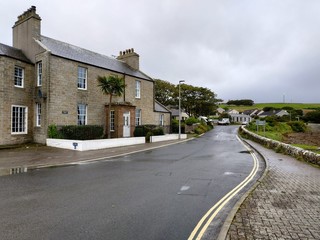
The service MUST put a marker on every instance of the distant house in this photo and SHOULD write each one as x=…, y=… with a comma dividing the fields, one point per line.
x=240, y=118
x=175, y=114
x=278, y=113
x=162, y=118
x=252, y=112
x=232, y=111
x=46, y=82
x=220, y=110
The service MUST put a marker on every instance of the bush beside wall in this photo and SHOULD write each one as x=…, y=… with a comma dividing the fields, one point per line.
x=75, y=132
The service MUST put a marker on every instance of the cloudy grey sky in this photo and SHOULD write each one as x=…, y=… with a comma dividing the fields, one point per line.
x=264, y=50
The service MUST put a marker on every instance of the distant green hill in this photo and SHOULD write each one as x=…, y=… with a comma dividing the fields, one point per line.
x=274, y=105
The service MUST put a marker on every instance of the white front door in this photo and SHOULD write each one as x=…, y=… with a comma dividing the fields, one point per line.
x=126, y=124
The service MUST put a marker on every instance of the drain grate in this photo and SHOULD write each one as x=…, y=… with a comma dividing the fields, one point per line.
x=18, y=170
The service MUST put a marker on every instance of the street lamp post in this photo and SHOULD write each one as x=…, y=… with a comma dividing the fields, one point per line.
x=181, y=81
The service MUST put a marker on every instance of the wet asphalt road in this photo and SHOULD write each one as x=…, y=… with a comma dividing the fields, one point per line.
x=157, y=194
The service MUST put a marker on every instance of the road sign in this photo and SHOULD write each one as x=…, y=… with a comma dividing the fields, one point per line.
x=260, y=123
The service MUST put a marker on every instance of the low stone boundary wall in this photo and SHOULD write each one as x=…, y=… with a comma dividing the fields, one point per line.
x=79, y=145
x=288, y=149
x=167, y=137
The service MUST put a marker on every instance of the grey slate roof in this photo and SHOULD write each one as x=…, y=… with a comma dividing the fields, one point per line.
x=175, y=112
x=78, y=54
x=13, y=53
x=158, y=107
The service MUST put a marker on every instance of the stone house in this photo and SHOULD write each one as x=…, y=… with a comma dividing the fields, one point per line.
x=175, y=114
x=232, y=111
x=44, y=81
x=240, y=118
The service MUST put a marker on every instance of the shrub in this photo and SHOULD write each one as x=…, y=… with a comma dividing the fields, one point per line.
x=191, y=120
x=202, y=128
x=198, y=130
x=53, y=131
x=271, y=120
x=148, y=135
x=139, y=131
x=297, y=126
x=313, y=117
x=158, y=131
x=83, y=132
x=175, y=126
x=144, y=130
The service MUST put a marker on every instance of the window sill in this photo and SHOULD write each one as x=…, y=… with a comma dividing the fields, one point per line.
x=19, y=133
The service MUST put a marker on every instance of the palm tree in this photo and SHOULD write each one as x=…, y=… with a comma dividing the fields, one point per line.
x=111, y=85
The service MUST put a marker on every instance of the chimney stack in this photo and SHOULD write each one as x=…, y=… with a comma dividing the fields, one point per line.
x=130, y=57
x=25, y=30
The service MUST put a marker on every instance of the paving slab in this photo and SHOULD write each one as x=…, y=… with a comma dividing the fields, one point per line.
x=285, y=205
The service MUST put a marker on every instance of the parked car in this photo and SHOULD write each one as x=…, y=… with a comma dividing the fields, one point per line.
x=224, y=121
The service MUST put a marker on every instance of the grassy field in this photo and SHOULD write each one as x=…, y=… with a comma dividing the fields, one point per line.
x=275, y=133
x=274, y=105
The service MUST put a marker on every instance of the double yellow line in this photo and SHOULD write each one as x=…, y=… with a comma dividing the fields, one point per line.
x=205, y=221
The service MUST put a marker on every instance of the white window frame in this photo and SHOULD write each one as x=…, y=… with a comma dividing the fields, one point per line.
x=161, y=120
x=82, y=114
x=82, y=78
x=112, y=120
x=19, y=77
x=138, y=89
x=138, y=117
x=39, y=74
x=38, y=114
x=20, y=125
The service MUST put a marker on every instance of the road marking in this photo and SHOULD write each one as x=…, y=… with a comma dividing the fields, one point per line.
x=205, y=221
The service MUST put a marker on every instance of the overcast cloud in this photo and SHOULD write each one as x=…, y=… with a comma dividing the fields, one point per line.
x=264, y=50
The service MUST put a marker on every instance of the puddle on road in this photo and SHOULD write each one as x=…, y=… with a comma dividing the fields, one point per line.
x=244, y=152
x=228, y=173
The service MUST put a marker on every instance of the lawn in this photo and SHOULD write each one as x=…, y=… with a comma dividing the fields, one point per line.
x=275, y=133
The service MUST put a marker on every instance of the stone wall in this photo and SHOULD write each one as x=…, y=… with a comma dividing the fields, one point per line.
x=288, y=149
x=11, y=95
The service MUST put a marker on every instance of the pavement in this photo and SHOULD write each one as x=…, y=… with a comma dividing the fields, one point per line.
x=283, y=204
x=23, y=159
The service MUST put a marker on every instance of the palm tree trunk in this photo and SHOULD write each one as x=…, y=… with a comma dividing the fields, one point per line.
x=109, y=128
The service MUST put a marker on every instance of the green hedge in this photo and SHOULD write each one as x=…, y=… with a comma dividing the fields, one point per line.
x=75, y=132
x=145, y=130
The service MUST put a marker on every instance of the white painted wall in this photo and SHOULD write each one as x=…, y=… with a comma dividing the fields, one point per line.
x=94, y=144
x=167, y=137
